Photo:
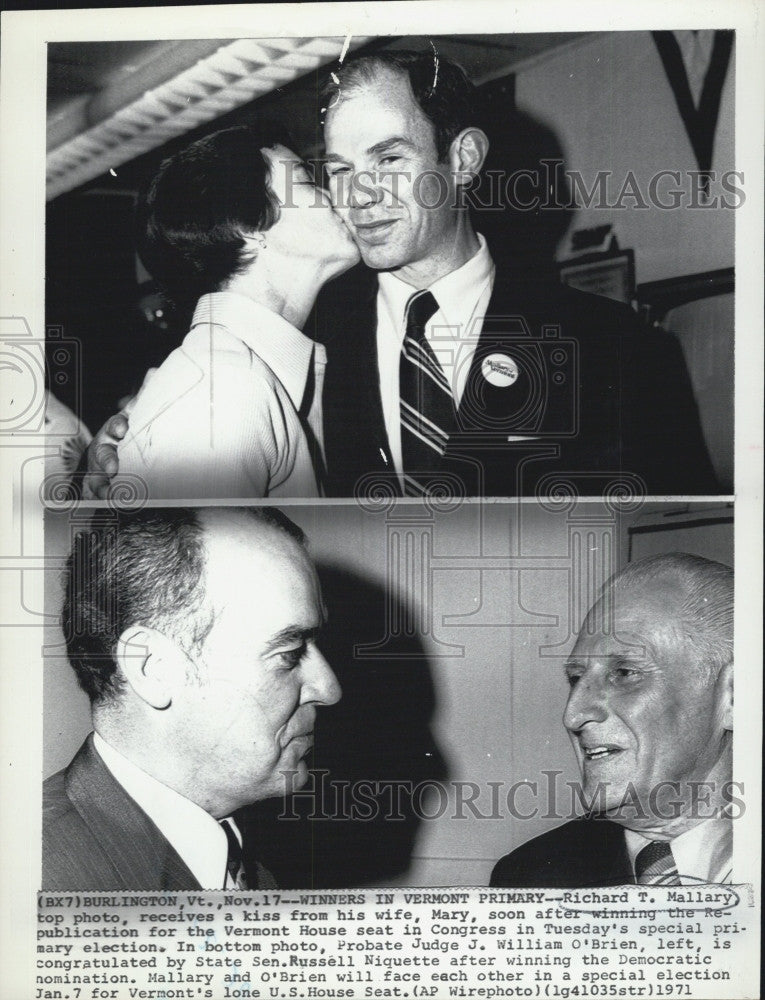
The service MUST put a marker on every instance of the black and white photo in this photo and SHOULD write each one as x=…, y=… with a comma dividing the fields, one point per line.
x=381, y=472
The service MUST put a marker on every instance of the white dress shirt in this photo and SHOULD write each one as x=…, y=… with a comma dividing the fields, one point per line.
x=221, y=417
x=195, y=835
x=702, y=854
x=463, y=298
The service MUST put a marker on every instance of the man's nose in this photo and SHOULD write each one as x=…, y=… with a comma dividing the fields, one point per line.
x=587, y=702
x=319, y=682
x=364, y=190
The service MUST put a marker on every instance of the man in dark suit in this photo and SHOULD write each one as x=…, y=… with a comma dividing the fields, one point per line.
x=194, y=634
x=456, y=364
x=549, y=384
x=625, y=423
x=650, y=717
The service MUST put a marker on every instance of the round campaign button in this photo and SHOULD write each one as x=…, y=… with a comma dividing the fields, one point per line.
x=499, y=370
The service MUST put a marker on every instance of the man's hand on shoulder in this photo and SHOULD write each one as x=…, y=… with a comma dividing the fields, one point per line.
x=103, y=463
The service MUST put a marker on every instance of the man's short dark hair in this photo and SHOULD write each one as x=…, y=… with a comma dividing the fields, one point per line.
x=440, y=88
x=192, y=220
x=140, y=568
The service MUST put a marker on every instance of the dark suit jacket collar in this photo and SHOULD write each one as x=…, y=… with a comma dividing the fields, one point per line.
x=362, y=319
x=355, y=439
x=140, y=854
x=609, y=856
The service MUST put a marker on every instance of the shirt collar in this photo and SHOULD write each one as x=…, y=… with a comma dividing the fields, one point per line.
x=195, y=834
x=451, y=291
x=285, y=349
x=703, y=853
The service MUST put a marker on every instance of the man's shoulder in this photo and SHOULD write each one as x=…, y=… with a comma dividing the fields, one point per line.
x=620, y=315
x=568, y=837
x=96, y=838
x=581, y=852
x=541, y=293
x=70, y=852
x=56, y=803
x=75, y=784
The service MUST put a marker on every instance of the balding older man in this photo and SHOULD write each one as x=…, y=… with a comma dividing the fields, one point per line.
x=650, y=715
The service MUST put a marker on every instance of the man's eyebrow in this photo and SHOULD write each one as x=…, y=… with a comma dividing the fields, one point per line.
x=626, y=659
x=385, y=144
x=640, y=658
x=379, y=147
x=292, y=633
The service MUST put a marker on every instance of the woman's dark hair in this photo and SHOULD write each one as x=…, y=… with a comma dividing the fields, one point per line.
x=192, y=219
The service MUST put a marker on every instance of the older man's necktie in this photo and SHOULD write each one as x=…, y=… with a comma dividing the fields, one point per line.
x=234, y=861
x=428, y=415
x=655, y=865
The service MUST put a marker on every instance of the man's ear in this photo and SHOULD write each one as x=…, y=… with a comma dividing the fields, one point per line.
x=724, y=696
x=467, y=153
x=153, y=665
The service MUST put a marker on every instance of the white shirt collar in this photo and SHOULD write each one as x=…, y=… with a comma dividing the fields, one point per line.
x=195, y=834
x=451, y=291
x=285, y=349
x=702, y=854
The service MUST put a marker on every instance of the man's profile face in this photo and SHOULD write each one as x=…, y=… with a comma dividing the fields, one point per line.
x=639, y=709
x=383, y=171
x=248, y=714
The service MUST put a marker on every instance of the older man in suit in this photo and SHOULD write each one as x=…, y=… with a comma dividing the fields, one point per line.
x=650, y=715
x=454, y=363
x=194, y=634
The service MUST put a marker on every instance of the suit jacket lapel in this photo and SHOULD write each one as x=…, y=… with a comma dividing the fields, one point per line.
x=355, y=435
x=486, y=414
x=614, y=861
x=510, y=319
x=368, y=365
x=346, y=320
x=139, y=853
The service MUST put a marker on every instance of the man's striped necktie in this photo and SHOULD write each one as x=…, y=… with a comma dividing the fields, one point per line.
x=234, y=861
x=655, y=865
x=428, y=415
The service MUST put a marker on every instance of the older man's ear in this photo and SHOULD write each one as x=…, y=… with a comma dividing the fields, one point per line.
x=152, y=665
x=724, y=696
